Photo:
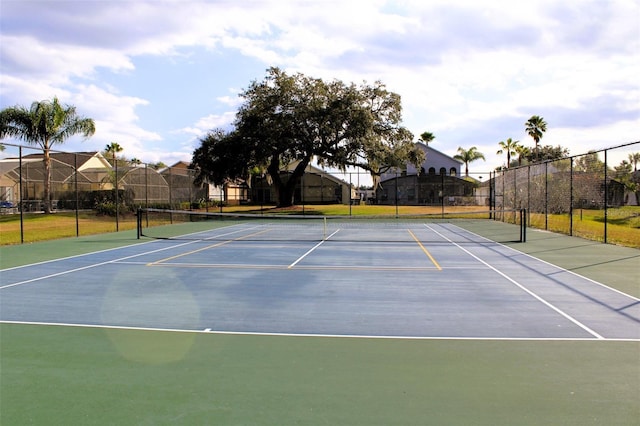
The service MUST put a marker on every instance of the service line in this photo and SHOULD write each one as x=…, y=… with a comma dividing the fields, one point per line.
x=424, y=249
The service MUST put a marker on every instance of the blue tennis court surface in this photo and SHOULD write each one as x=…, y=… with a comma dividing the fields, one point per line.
x=431, y=280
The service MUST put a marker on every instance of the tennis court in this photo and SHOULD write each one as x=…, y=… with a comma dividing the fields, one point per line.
x=391, y=279
x=397, y=281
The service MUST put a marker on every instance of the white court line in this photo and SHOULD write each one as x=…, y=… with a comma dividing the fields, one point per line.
x=310, y=250
x=330, y=336
x=75, y=256
x=561, y=269
x=93, y=265
x=68, y=271
x=564, y=314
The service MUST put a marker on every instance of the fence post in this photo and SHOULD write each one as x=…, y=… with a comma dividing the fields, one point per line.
x=546, y=196
x=21, y=200
x=115, y=160
x=528, y=190
x=396, y=201
x=350, y=199
x=146, y=185
x=606, y=196
x=75, y=172
x=442, y=193
x=571, y=197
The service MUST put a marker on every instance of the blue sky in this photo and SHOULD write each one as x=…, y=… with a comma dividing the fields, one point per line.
x=156, y=75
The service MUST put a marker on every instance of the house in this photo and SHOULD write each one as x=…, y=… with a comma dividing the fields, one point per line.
x=93, y=171
x=316, y=186
x=436, y=181
x=180, y=178
x=22, y=183
x=435, y=163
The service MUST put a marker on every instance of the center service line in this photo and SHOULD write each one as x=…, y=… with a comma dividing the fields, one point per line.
x=310, y=250
x=558, y=310
x=205, y=248
x=425, y=251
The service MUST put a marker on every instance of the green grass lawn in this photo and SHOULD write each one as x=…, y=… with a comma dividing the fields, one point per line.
x=42, y=227
x=92, y=376
x=623, y=226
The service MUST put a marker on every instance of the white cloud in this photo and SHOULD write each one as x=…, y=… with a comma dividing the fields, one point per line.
x=231, y=101
x=208, y=123
x=34, y=59
x=470, y=71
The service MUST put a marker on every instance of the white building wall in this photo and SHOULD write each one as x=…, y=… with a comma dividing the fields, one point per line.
x=434, y=159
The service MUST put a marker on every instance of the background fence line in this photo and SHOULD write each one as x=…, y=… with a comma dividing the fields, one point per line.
x=559, y=195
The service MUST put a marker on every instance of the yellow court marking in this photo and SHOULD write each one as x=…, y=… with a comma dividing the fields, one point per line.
x=425, y=251
x=157, y=262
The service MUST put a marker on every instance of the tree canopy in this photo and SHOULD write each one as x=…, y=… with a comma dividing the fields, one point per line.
x=509, y=147
x=45, y=124
x=467, y=156
x=547, y=153
x=535, y=127
x=288, y=120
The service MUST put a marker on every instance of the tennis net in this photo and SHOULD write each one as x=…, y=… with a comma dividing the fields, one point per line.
x=459, y=227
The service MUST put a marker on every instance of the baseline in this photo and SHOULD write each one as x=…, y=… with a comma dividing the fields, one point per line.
x=321, y=336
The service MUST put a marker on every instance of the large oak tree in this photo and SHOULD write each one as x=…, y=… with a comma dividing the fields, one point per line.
x=292, y=119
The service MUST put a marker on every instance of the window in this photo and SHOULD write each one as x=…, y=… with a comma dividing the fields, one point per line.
x=443, y=171
x=453, y=171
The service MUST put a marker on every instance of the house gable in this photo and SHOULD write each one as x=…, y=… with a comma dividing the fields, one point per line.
x=435, y=162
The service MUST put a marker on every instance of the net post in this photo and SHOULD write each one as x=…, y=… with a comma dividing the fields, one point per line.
x=523, y=225
x=324, y=228
x=139, y=222
x=520, y=223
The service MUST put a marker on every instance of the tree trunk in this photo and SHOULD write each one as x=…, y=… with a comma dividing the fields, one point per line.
x=285, y=195
x=375, y=177
x=286, y=190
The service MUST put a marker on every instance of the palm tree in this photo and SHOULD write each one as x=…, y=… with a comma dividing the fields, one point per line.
x=45, y=124
x=535, y=128
x=427, y=137
x=114, y=148
x=509, y=146
x=523, y=152
x=467, y=156
x=634, y=158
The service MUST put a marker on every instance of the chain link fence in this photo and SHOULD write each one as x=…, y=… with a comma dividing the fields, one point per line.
x=84, y=186
x=590, y=195
x=587, y=195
